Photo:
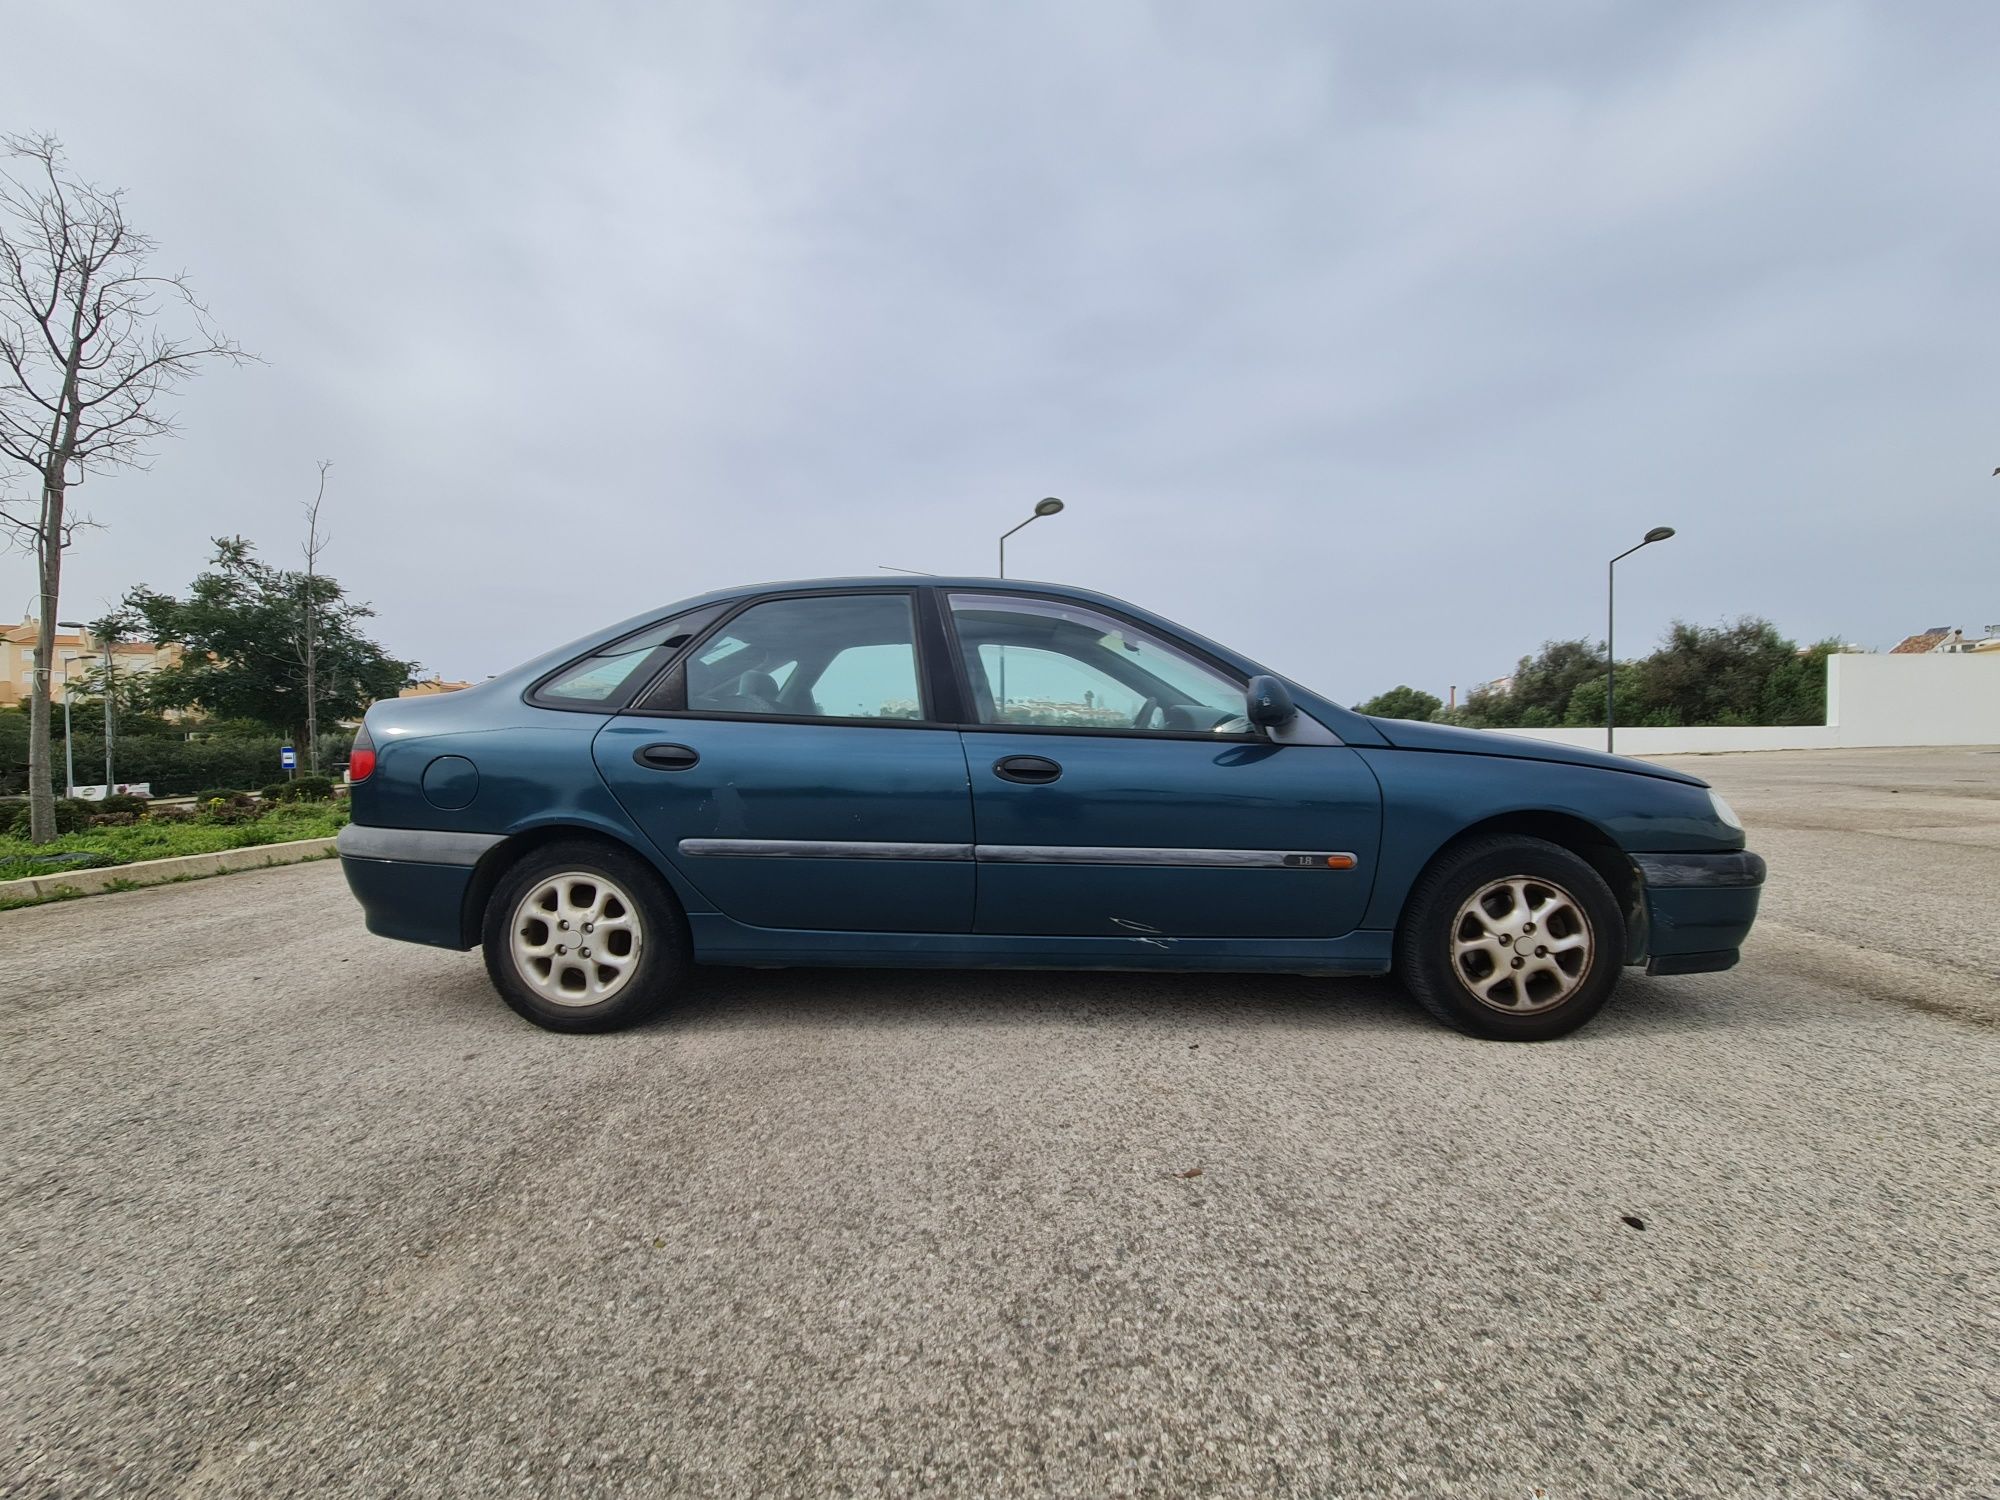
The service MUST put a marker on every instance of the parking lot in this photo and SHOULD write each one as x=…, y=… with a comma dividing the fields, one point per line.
x=293, y=1210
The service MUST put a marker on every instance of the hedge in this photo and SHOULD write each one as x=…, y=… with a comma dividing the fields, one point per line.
x=175, y=767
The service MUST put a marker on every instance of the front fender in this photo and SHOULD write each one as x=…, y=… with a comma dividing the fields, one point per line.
x=1430, y=798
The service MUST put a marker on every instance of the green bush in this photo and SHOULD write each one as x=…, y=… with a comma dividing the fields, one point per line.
x=171, y=763
x=120, y=802
x=240, y=807
x=277, y=791
x=217, y=794
x=310, y=788
x=72, y=814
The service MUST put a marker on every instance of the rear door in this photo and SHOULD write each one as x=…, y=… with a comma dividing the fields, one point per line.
x=1119, y=791
x=793, y=769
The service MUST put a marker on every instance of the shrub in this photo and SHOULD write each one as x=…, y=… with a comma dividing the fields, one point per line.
x=310, y=788
x=72, y=814
x=121, y=802
x=174, y=764
x=173, y=815
x=113, y=819
x=240, y=807
x=216, y=794
x=277, y=791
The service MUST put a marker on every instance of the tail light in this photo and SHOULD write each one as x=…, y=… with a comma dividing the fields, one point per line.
x=361, y=758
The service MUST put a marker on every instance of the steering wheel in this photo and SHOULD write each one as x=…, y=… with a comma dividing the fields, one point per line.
x=1146, y=711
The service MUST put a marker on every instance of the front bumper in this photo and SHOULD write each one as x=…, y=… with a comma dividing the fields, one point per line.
x=1699, y=908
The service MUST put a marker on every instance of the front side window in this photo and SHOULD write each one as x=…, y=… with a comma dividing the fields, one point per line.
x=1054, y=664
x=850, y=656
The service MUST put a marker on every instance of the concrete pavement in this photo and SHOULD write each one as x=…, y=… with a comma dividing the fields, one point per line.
x=289, y=1209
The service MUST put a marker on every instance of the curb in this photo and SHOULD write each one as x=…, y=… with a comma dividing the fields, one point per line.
x=160, y=871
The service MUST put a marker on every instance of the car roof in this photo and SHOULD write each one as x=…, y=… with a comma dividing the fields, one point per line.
x=911, y=580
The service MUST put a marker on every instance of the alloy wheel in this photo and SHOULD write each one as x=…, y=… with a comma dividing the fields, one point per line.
x=1521, y=944
x=576, y=938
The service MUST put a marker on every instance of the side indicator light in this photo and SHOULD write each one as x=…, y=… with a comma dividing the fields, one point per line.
x=1340, y=861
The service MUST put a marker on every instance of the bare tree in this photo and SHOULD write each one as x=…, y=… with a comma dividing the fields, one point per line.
x=314, y=545
x=84, y=368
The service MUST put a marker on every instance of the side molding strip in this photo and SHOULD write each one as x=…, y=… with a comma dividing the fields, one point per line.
x=819, y=849
x=1017, y=854
x=1086, y=854
x=423, y=846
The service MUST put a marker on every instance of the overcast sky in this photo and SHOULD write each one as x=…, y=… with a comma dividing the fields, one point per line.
x=1358, y=336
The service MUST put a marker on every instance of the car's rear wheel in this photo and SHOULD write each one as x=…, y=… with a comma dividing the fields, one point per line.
x=583, y=936
x=1513, y=938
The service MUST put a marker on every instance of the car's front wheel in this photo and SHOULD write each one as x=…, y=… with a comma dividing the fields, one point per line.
x=1513, y=938
x=582, y=936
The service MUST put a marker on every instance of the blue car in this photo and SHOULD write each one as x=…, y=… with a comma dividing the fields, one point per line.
x=979, y=773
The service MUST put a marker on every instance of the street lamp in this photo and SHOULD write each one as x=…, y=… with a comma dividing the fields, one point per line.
x=1657, y=534
x=1046, y=507
x=69, y=742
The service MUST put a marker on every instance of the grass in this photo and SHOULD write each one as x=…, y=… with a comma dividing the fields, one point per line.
x=71, y=893
x=148, y=840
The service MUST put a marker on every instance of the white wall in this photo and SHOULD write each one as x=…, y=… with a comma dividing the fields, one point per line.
x=1915, y=700
x=1870, y=701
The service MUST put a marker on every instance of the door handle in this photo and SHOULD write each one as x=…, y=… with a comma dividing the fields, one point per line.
x=1029, y=770
x=666, y=757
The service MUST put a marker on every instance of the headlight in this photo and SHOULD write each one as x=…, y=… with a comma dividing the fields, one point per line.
x=1724, y=811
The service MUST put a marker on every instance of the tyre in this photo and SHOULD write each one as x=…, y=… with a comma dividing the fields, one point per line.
x=583, y=936
x=1513, y=938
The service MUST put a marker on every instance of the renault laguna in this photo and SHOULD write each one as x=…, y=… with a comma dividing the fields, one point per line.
x=977, y=773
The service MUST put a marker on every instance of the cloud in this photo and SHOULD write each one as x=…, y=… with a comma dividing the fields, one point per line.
x=1356, y=336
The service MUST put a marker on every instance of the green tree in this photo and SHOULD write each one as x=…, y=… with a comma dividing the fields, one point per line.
x=1744, y=672
x=244, y=624
x=1637, y=703
x=1795, y=692
x=1482, y=708
x=1402, y=702
x=1713, y=674
x=1543, y=686
x=1547, y=680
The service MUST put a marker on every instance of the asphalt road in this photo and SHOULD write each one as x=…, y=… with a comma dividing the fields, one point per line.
x=292, y=1210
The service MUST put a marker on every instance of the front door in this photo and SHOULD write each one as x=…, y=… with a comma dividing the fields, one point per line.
x=1119, y=791
x=790, y=770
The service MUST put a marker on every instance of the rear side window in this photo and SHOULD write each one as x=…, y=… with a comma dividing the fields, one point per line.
x=606, y=678
x=833, y=656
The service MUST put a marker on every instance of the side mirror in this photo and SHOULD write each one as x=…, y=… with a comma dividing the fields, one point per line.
x=1269, y=704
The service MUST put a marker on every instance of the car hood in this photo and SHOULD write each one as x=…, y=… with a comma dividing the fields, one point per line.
x=1408, y=734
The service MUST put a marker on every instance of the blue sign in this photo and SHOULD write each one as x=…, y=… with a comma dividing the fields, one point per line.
x=288, y=758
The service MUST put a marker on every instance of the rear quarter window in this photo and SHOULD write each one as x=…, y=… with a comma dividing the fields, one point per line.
x=605, y=679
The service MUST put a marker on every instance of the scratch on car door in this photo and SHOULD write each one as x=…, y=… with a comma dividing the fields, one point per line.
x=1157, y=942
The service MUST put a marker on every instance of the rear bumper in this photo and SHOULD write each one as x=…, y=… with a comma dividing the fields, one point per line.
x=411, y=883
x=1699, y=908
